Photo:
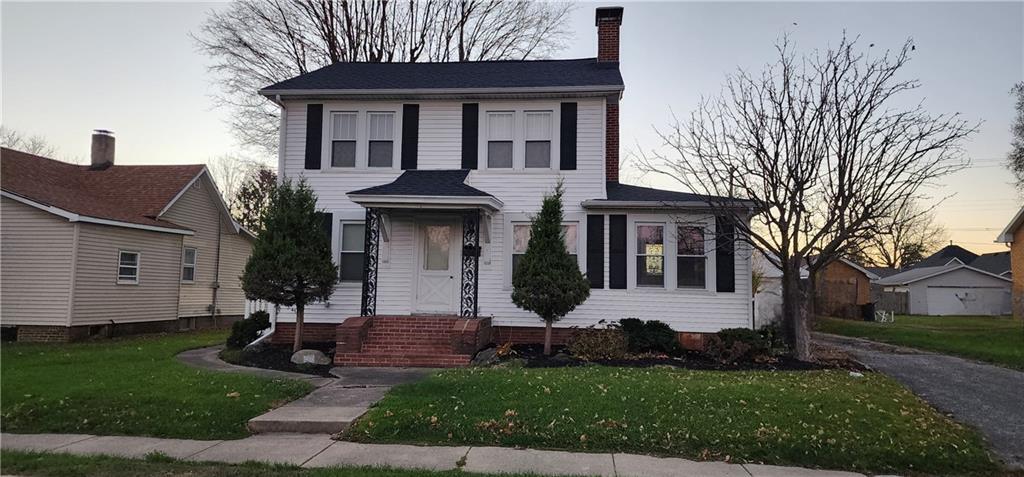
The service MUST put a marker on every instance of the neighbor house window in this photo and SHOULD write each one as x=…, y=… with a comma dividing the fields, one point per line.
x=521, y=240
x=691, y=262
x=127, y=267
x=343, y=139
x=353, y=235
x=650, y=255
x=538, y=139
x=500, y=133
x=381, y=128
x=188, y=265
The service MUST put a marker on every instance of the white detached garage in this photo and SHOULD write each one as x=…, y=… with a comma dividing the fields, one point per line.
x=951, y=289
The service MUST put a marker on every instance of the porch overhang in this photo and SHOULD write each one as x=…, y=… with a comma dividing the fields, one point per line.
x=433, y=202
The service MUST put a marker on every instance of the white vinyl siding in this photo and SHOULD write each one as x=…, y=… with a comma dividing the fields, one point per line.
x=521, y=191
x=36, y=267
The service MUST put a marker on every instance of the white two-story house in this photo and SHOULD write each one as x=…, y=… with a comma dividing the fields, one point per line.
x=429, y=173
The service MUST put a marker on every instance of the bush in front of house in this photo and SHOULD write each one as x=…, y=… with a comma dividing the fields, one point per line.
x=650, y=336
x=593, y=343
x=246, y=331
x=733, y=345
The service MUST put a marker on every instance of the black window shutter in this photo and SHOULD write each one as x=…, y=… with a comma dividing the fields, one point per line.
x=567, y=138
x=470, y=131
x=617, y=251
x=595, y=250
x=314, y=134
x=410, y=135
x=327, y=223
x=725, y=255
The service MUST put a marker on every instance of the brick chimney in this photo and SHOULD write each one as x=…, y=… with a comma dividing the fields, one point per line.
x=608, y=21
x=102, y=149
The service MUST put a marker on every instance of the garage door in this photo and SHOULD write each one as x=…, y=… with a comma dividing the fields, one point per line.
x=968, y=300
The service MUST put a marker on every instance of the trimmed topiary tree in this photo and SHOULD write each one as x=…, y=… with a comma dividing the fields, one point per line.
x=291, y=261
x=547, y=280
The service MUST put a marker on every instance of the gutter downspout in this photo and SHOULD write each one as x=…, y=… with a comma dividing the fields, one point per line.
x=216, y=274
x=281, y=140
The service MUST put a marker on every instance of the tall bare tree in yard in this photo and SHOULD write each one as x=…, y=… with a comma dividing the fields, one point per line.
x=255, y=43
x=822, y=147
x=18, y=140
x=1015, y=158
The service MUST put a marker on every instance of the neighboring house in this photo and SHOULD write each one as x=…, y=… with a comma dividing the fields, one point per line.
x=106, y=249
x=997, y=263
x=951, y=289
x=842, y=288
x=1013, y=235
x=768, y=295
x=430, y=173
x=883, y=272
x=946, y=255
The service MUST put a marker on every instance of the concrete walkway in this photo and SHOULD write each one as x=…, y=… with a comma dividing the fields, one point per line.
x=329, y=409
x=320, y=451
x=989, y=398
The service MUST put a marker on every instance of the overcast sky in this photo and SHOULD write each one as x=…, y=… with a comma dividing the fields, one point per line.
x=132, y=68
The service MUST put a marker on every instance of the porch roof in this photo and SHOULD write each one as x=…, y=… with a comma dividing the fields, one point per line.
x=426, y=189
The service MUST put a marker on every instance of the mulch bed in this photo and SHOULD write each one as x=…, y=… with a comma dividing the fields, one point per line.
x=280, y=359
x=532, y=356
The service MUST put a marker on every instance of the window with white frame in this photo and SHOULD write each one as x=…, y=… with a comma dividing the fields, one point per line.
x=381, y=138
x=188, y=264
x=691, y=257
x=350, y=262
x=650, y=255
x=501, y=127
x=538, y=139
x=344, y=130
x=521, y=240
x=127, y=267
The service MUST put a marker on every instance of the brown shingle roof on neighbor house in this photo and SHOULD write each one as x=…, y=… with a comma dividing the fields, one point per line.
x=132, y=194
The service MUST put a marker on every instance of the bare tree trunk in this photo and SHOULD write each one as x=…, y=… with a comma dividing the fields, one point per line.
x=300, y=312
x=794, y=311
x=547, y=337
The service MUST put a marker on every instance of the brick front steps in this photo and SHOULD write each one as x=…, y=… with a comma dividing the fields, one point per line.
x=411, y=341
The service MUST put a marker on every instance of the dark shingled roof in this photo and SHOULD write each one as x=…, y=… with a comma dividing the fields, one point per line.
x=882, y=271
x=447, y=183
x=456, y=75
x=943, y=256
x=996, y=262
x=631, y=193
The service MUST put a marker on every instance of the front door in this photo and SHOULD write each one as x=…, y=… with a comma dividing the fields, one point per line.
x=436, y=283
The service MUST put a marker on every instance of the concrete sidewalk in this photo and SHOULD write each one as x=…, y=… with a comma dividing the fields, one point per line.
x=321, y=451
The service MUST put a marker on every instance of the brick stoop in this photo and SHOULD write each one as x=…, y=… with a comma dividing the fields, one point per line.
x=410, y=341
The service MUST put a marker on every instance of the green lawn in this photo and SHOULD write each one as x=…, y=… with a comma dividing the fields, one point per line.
x=64, y=465
x=132, y=386
x=825, y=419
x=993, y=339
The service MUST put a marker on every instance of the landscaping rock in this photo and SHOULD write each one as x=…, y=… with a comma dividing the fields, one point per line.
x=486, y=357
x=310, y=356
x=562, y=357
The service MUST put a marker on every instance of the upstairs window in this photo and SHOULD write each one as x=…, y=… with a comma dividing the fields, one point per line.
x=381, y=127
x=691, y=260
x=127, y=267
x=521, y=240
x=650, y=255
x=500, y=134
x=188, y=265
x=353, y=235
x=343, y=139
x=538, y=139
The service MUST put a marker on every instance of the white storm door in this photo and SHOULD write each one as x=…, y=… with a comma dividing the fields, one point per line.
x=437, y=278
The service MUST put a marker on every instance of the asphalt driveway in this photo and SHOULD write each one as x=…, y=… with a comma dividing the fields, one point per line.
x=987, y=397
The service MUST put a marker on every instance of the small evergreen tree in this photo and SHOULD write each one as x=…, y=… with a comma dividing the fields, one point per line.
x=291, y=261
x=547, y=280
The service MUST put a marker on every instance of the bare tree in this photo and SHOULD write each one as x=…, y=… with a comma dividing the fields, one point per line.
x=904, y=238
x=229, y=171
x=820, y=146
x=255, y=43
x=1015, y=158
x=36, y=144
x=253, y=197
